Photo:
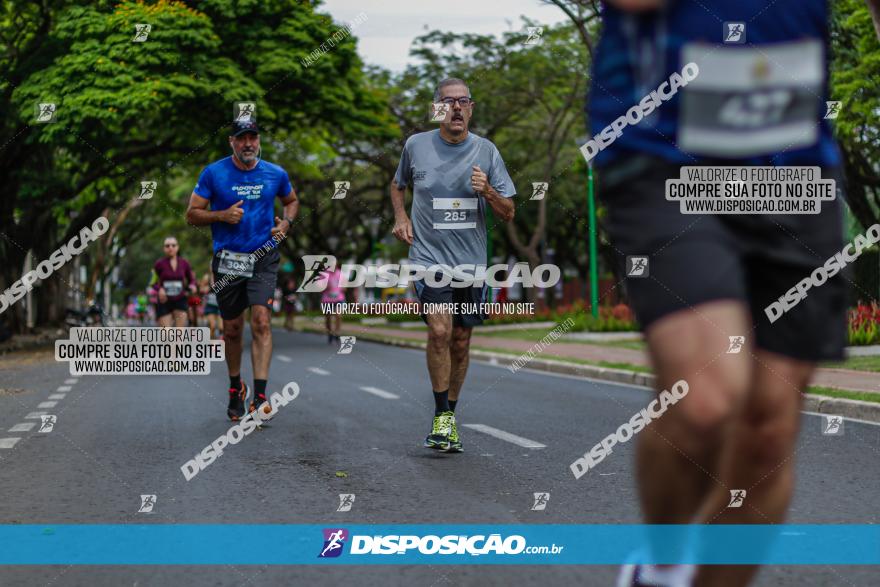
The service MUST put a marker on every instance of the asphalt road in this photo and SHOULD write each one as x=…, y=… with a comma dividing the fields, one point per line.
x=119, y=437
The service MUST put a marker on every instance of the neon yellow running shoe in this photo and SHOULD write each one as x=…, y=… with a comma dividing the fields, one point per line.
x=443, y=425
x=454, y=440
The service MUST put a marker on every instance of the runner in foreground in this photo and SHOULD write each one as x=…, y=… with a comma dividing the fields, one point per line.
x=454, y=175
x=758, y=101
x=172, y=280
x=236, y=196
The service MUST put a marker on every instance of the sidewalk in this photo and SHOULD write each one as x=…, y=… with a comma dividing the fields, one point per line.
x=836, y=378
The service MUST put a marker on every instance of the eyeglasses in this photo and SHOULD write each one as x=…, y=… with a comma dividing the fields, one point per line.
x=464, y=101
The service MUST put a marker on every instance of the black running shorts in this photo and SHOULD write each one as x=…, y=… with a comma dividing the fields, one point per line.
x=753, y=258
x=237, y=294
x=170, y=306
x=467, y=299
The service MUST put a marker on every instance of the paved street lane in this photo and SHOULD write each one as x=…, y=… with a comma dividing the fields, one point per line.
x=357, y=428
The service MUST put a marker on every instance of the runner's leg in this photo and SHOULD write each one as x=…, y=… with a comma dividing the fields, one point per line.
x=261, y=346
x=758, y=457
x=166, y=321
x=677, y=455
x=179, y=318
x=438, y=351
x=233, y=330
x=459, y=355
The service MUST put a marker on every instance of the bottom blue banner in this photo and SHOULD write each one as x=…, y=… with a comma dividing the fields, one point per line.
x=192, y=544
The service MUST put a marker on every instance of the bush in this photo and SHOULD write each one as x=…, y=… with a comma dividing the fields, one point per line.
x=617, y=318
x=862, y=324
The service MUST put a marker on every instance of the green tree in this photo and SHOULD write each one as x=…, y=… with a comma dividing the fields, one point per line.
x=133, y=111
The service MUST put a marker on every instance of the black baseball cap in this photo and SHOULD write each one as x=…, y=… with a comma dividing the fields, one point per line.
x=243, y=126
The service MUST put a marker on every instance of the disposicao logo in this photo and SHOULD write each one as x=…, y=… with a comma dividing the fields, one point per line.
x=334, y=541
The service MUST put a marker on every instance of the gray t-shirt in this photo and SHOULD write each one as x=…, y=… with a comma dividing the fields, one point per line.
x=449, y=219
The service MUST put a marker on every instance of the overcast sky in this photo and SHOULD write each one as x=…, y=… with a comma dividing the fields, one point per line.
x=385, y=37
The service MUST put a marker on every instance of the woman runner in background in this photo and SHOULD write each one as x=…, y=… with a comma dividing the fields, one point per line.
x=172, y=278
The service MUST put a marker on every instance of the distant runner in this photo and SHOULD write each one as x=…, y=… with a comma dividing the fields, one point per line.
x=454, y=175
x=172, y=279
x=288, y=301
x=330, y=299
x=236, y=197
x=211, y=309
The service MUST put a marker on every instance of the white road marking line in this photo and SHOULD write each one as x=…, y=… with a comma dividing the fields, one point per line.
x=35, y=416
x=23, y=427
x=506, y=436
x=63, y=388
x=58, y=396
x=47, y=404
x=284, y=358
x=318, y=371
x=8, y=442
x=70, y=381
x=380, y=392
x=636, y=386
x=844, y=417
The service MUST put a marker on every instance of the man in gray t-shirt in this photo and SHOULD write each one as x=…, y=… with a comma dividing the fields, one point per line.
x=454, y=175
x=448, y=217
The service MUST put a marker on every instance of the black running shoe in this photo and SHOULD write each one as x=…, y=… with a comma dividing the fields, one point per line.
x=260, y=401
x=235, y=409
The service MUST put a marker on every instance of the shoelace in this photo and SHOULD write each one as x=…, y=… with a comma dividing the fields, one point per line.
x=442, y=425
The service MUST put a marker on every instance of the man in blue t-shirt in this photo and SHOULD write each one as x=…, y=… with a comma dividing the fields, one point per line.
x=741, y=84
x=236, y=196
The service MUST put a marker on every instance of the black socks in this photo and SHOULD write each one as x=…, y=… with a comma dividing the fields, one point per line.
x=452, y=403
x=235, y=381
x=260, y=387
x=441, y=402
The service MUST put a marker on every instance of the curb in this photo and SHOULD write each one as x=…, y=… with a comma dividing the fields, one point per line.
x=820, y=404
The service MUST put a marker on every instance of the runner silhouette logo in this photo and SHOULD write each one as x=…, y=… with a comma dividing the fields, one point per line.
x=340, y=189
x=541, y=500
x=832, y=109
x=346, y=345
x=539, y=190
x=737, y=497
x=346, y=500
x=46, y=112
x=637, y=267
x=736, y=344
x=141, y=32
x=832, y=425
x=147, y=504
x=148, y=188
x=47, y=423
x=244, y=112
x=735, y=33
x=318, y=269
x=334, y=542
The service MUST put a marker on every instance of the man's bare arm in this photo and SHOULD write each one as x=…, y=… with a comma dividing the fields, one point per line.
x=402, y=225
x=197, y=213
x=289, y=211
x=503, y=207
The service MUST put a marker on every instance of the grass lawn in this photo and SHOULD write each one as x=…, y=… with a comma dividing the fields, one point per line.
x=865, y=396
x=871, y=363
